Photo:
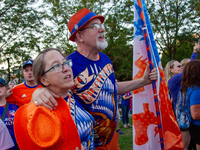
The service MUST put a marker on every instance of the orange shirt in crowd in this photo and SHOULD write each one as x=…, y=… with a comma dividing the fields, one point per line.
x=22, y=94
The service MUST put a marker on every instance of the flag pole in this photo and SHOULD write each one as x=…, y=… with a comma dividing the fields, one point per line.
x=155, y=90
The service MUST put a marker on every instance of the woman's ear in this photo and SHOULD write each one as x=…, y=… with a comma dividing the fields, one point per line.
x=44, y=81
x=171, y=70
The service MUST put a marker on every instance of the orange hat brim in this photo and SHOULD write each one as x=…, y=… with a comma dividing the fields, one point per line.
x=22, y=118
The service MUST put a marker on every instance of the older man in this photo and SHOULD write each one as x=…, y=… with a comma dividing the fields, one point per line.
x=94, y=80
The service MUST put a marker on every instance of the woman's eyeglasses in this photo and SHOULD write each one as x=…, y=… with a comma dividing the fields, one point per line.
x=171, y=64
x=59, y=67
x=179, y=66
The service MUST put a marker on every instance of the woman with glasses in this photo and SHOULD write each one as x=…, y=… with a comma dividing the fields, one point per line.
x=173, y=69
x=53, y=71
x=173, y=75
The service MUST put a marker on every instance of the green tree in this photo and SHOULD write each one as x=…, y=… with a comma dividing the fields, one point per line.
x=28, y=26
x=120, y=36
x=173, y=23
x=184, y=50
x=21, y=25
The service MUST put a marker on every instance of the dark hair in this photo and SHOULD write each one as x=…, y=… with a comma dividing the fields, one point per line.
x=39, y=64
x=191, y=75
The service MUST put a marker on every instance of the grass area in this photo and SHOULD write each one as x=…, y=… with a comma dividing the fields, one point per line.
x=126, y=139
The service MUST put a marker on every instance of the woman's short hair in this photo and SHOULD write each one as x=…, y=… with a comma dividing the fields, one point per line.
x=39, y=64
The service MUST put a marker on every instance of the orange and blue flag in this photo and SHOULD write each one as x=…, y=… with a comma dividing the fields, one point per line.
x=154, y=123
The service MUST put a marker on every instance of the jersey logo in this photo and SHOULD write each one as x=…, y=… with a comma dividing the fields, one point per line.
x=81, y=80
x=12, y=112
x=91, y=94
x=24, y=95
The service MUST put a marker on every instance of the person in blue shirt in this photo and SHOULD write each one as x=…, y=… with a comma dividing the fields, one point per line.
x=190, y=86
x=118, y=116
x=10, y=113
x=125, y=108
x=173, y=75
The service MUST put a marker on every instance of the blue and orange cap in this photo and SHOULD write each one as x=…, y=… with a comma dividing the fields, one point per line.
x=80, y=19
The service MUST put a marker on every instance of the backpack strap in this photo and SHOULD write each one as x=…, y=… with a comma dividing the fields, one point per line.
x=5, y=111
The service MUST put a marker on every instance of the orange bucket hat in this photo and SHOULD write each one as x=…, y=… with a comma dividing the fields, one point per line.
x=80, y=19
x=39, y=128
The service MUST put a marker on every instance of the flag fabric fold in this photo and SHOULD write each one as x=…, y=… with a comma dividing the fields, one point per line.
x=154, y=124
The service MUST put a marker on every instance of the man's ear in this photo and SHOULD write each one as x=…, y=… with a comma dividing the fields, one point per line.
x=44, y=81
x=79, y=36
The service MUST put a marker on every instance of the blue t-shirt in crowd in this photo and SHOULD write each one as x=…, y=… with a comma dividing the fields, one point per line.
x=8, y=120
x=125, y=101
x=194, y=98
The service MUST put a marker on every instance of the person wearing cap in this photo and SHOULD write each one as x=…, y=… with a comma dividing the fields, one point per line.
x=95, y=86
x=53, y=71
x=7, y=112
x=21, y=94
